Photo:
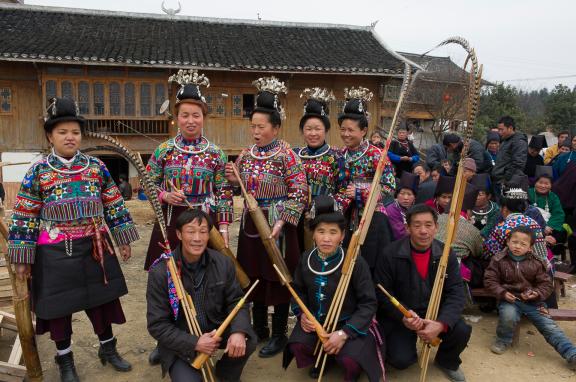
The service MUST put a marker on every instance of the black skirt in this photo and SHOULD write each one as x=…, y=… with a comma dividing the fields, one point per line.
x=254, y=259
x=62, y=284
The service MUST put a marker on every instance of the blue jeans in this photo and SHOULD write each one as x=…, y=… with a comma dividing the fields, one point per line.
x=510, y=314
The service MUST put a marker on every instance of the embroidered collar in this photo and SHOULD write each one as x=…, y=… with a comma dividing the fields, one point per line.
x=194, y=146
x=266, y=152
x=352, y=155
x=313, y=152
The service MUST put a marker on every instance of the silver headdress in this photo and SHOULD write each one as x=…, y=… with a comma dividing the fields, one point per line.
x=362, y=93
x=323, y=95
x=516, y=193
x=270, y=84
x=189, y=76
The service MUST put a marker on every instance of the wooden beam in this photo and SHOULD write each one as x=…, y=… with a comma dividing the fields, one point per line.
x=9, y=372
x=16, y=353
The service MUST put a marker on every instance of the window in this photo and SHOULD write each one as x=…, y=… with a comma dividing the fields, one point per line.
x=50, y=90
x=5, y=100
x=129, y=99
x=237, y=105
x=145, y=99
x=247, y=104
x=84, y=97
x=98, y=98
x=114, y=94
x=113, y=97
x=219, y=106
x=391, y=92
x=338, y=107
x=67, y=90
x=160, y=96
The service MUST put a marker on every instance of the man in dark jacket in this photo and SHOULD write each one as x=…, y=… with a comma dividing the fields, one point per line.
x=449, y=152
x=408, y=271
x=210, y=279
x=512, y=154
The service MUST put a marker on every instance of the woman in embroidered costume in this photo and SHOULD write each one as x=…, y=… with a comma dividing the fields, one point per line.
x=323, y=164
x=548, y=203
x=405, y=198
x=486, y=212
x=66, y=211
x=273, y=173
x=190, y=162
x=361, y=159
x=356, y=344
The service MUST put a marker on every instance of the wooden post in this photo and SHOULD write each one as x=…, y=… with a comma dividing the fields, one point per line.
x=21, y=299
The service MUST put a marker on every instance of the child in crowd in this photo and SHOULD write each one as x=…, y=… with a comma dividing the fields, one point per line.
x=520, y=282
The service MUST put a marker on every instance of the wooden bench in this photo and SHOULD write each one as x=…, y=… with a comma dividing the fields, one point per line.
x=560, y=279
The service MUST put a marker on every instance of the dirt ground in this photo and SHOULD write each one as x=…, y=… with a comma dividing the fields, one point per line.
x=532, y=360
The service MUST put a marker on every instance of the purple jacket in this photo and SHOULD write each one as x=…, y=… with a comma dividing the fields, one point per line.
x=396, y=219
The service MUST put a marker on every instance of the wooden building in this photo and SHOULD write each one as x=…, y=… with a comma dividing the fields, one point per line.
x=116, y=65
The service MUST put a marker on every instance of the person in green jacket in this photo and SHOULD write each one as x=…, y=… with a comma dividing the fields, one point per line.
x=550, y=207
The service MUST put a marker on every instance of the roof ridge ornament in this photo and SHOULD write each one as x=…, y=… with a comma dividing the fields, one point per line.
x=170, y=11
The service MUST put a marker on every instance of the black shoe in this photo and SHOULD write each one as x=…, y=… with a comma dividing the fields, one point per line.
x=273, y=347
x=154, y=357
x=108, y=353
x=67, y=369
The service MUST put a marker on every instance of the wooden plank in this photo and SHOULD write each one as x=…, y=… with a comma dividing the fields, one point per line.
x=561, y=276
x=16, y=353
x=480, y=292
x=562, y=314
x=9, y=370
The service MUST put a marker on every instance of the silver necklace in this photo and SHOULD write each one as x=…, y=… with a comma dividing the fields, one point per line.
x=355, y=159
x=266, y=156
x=312, y=156
x=191, y=151
x=67, y=172
x=319, y=273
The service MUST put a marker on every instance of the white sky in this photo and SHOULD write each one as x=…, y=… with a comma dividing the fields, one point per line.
x=514, y=39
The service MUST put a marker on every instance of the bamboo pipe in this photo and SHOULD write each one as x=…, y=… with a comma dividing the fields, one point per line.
x=405, y=312
x=217, y=242
x=21, y=301
x=5, y=164
x=263, y=228
x=317, y=326
x=203, y=357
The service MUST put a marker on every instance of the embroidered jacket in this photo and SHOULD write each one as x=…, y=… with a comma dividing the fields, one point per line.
x=486, y=220
x=360, y=167
x=273, y=174
x=72, y=202
x=200, y=176
x=325, y=173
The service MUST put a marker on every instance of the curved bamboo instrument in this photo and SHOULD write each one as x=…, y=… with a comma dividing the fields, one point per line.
x=217, y=242
x=150, y=190
x=203, y=357
x=474, y=85
x=405, y=312
x=21, y=300
x=263, y=228
x=359, y=235
x=317, y=326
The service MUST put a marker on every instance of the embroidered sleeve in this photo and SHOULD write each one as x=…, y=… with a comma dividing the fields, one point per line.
x=155, y=168
x=25, y=225
x=223, y=191
x=341, y=178
x=297, y=185
x=116, y=214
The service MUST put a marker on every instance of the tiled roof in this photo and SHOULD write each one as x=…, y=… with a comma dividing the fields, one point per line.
x=48, y=34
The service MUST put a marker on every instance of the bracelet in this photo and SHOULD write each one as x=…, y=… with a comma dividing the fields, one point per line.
x=223, y=230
